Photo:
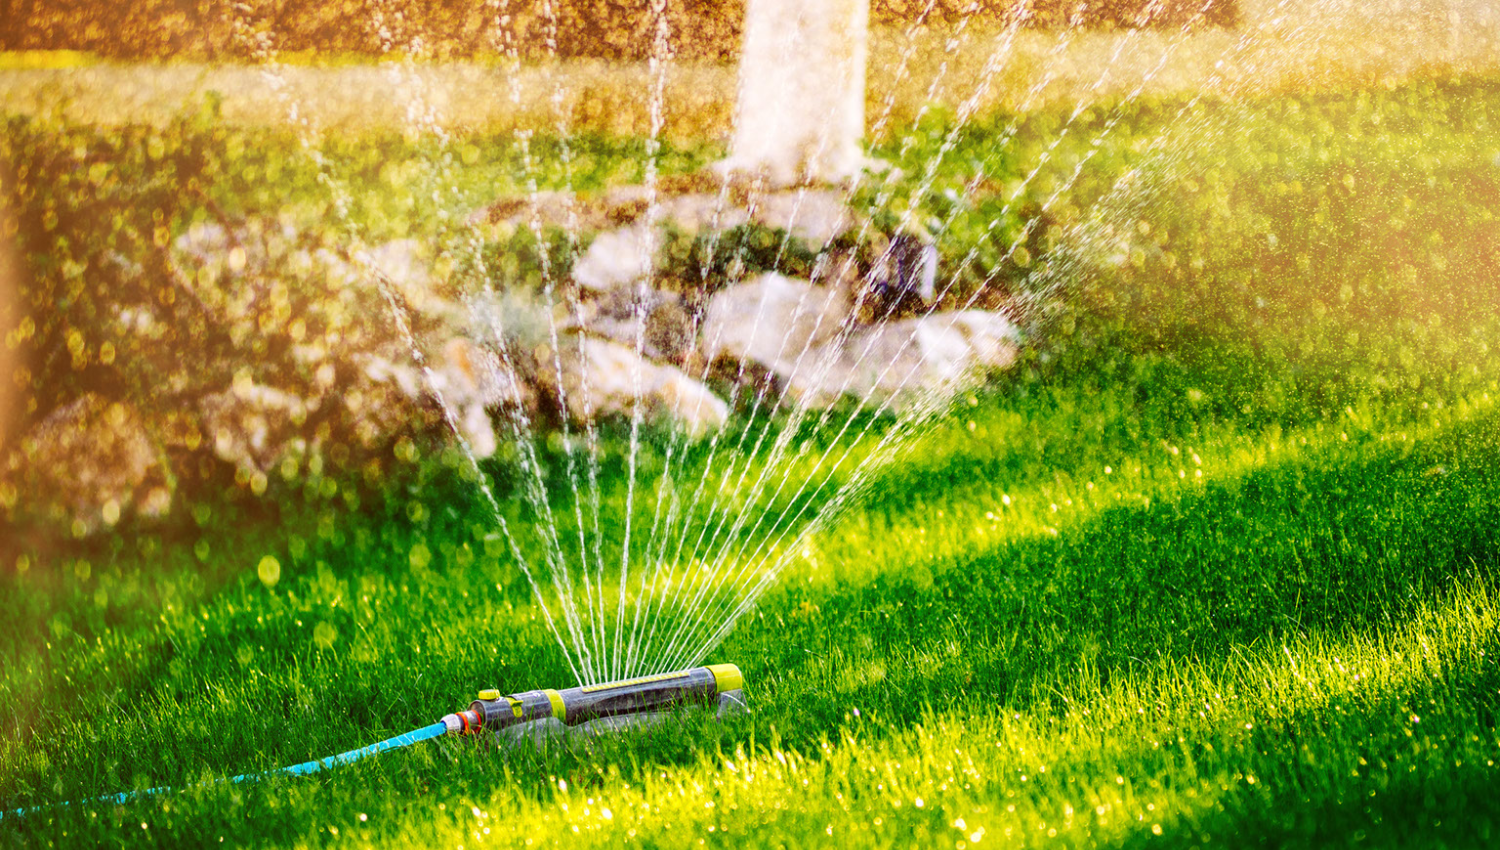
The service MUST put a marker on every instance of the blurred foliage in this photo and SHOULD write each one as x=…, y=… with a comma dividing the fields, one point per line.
x=95, y=214
x=1295, y=255
x=605, y=29
x=1312, y=254
x=1283, y=258
x=202, y=279
x=113, y=309
x=700, y=263
x=51, y=60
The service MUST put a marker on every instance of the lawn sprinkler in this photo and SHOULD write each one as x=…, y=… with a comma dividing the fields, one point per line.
x=536, y=716
x=592, y=709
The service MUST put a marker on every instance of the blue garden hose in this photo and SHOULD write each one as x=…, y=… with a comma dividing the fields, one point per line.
x=602, y=706
x=426, y=733
x=416, y=735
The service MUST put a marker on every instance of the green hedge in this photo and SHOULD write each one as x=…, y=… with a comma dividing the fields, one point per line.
x=605, y=29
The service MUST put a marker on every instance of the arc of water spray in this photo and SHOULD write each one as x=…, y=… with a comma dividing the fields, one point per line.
x=878, y=453
x=747, y=598
x=711, y=584
x=703, y=580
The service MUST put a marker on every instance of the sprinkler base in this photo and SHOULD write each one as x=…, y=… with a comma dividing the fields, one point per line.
x=549, y=729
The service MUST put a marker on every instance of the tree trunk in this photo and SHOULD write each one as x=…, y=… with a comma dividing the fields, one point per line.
x=801, y=110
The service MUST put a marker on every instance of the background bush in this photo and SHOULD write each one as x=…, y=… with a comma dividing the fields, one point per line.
x=604, y=29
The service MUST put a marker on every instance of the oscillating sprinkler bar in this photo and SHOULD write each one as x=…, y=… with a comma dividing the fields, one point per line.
x=605, y=705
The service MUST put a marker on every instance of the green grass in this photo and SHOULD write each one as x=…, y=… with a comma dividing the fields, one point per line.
x=1205, y=570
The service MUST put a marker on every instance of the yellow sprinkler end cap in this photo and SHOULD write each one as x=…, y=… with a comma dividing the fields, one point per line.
x=559, y=708
x=727, y=677
x=490, y=693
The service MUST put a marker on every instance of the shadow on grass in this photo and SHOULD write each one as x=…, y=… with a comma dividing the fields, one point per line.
x=1349, y=541
x=1360, y=774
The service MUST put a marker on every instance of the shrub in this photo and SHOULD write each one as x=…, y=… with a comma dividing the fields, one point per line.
x=223, y=333
x=602, y=29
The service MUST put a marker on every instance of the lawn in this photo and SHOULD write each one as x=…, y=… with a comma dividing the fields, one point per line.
x=1215, y=565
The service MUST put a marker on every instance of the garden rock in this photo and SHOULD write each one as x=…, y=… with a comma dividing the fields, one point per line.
x=617, y=258
x=897, y=362
x=816, y=216
x=703, y=211
x=771, y=320
x=474, y=381
x=88, y=462
x=601, y=377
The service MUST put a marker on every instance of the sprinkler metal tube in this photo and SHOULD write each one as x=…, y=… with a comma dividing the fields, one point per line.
x=647, y=696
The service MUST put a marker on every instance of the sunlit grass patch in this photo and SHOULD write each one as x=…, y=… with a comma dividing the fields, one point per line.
x=1138, y=643
x=1347, y=727
x=959, y=512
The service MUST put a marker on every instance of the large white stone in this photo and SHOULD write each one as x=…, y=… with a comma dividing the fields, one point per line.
x=815, y=216
x=473, y=381
x=617, y=258
x=601, y=377
x=901, y=361
x=772, y=320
